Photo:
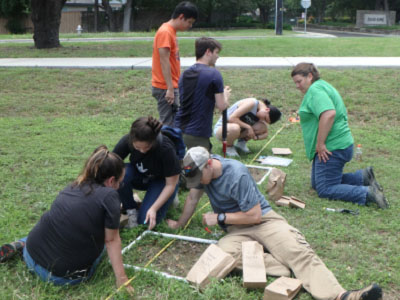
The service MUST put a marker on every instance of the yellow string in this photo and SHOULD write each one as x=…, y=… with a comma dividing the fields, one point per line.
x=158, y=254
x=271, y=139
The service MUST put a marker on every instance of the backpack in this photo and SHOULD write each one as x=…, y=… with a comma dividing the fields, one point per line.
x=175, y=135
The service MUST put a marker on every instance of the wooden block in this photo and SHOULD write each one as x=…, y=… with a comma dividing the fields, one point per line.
x=281, y=151
x=297, y=203
x=283, y=201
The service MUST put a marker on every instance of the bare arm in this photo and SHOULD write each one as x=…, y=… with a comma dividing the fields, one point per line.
x=244, y=108
x=326, y=120
x=222, y=99
x=168, y=190
x=250, y=217
x=190, y=205
x=166, y=71
x=113, y=245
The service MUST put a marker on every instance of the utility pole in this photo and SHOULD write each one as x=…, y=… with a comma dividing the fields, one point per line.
x=278, y=17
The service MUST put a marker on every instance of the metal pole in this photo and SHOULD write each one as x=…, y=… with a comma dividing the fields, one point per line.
x=305, y=21
x=279, y=17
x=224, y=130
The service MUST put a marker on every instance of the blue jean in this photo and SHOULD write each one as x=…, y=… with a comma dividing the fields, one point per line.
x=46, y=275
x=330, y=182
x=135, y=180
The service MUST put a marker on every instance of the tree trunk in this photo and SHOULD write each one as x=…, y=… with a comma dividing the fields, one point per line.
x=109, y=13
x=46, y=19
x=96, y=15
x=382, y=5
x=263, y=14
x=127, y=16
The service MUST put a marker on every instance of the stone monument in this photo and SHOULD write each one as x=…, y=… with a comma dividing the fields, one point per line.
x=367, y=18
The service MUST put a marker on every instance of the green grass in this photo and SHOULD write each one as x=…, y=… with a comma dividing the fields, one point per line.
x=192, y=32
x=51, y=120
x=264, y=46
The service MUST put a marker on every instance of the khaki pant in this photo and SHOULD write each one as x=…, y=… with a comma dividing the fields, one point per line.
x=194, y=141
x=288, y=250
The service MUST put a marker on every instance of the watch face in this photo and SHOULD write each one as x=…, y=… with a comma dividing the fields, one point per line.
x=221, y=217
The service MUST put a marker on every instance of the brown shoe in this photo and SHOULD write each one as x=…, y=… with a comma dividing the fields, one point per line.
x=372, y=292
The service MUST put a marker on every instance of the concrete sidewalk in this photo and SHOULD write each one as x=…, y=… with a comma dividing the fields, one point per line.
x=138, y=63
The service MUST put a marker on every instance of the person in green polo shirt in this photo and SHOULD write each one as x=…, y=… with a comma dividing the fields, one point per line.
x=329, y=143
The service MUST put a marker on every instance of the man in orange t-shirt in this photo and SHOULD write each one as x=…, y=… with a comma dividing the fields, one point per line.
x=166, y=62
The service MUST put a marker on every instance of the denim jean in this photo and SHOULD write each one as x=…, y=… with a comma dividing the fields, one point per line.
x=153, y=187
x=330, y=182
x=46, y=275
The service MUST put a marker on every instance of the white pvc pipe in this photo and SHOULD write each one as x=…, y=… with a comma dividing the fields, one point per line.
x=167, y=235
x=156, y=272
x=185, y=238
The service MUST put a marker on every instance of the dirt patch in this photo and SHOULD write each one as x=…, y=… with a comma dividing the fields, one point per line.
x=176, y=260
x=257, y=174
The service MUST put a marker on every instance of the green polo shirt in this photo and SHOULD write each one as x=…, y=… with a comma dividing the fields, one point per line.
x=320, y=97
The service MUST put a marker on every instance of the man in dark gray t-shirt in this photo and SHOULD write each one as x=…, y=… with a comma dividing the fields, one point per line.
x=245, y=214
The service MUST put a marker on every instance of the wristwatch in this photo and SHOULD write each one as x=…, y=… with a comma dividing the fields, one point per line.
x=221, y=219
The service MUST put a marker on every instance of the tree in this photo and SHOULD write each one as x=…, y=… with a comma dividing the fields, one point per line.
x=14, y=11
x=46, y=18
x=105, y=4
x=127, y=16
x=264, y=7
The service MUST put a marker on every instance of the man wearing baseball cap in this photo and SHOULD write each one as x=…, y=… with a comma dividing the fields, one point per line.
x=244, y=213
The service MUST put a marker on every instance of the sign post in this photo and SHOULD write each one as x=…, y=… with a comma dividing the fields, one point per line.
x=306, y=4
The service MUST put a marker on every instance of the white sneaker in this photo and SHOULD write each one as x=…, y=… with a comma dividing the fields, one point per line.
x=132, y=218
x=241, y=145
x=231, y=151
x=175, y=204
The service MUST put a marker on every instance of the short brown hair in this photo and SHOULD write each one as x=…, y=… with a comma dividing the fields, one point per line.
x=304, y=69
x=204, y=43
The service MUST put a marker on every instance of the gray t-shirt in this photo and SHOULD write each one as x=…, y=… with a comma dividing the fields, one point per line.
x=233, y=108
x=235, y=190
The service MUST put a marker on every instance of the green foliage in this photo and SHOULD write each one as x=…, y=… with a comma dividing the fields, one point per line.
x=14, y=11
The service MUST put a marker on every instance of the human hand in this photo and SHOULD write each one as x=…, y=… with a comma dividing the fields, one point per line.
x=322, y=152
x=210, y=219
x=173, y=224
x=227, y=93
x=151, y=218
x=127, y=287
x=170, y=96
x=250, y=134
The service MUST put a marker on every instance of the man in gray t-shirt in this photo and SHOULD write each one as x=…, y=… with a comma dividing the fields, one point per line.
x=246, y=215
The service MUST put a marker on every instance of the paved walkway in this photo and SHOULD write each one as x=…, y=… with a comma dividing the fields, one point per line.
x=223, y=62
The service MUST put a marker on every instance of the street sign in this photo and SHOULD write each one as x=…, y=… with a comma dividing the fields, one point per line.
x=305, y=3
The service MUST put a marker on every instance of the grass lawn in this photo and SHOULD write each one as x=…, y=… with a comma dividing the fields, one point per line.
x=266, y=44
x=51, y=120
x=193, y=32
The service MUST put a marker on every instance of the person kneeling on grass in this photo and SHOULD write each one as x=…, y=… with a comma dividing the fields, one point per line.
x=247, y=120
x=329, y=142
x=154, y=167
x=243, y=212
x=67, y=243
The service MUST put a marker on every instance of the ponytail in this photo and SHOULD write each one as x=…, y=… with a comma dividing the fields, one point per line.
x=274, y=113
x=101, y=165
x=145, y=129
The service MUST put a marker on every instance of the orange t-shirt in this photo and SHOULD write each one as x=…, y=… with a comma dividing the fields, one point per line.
x=165, y=38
